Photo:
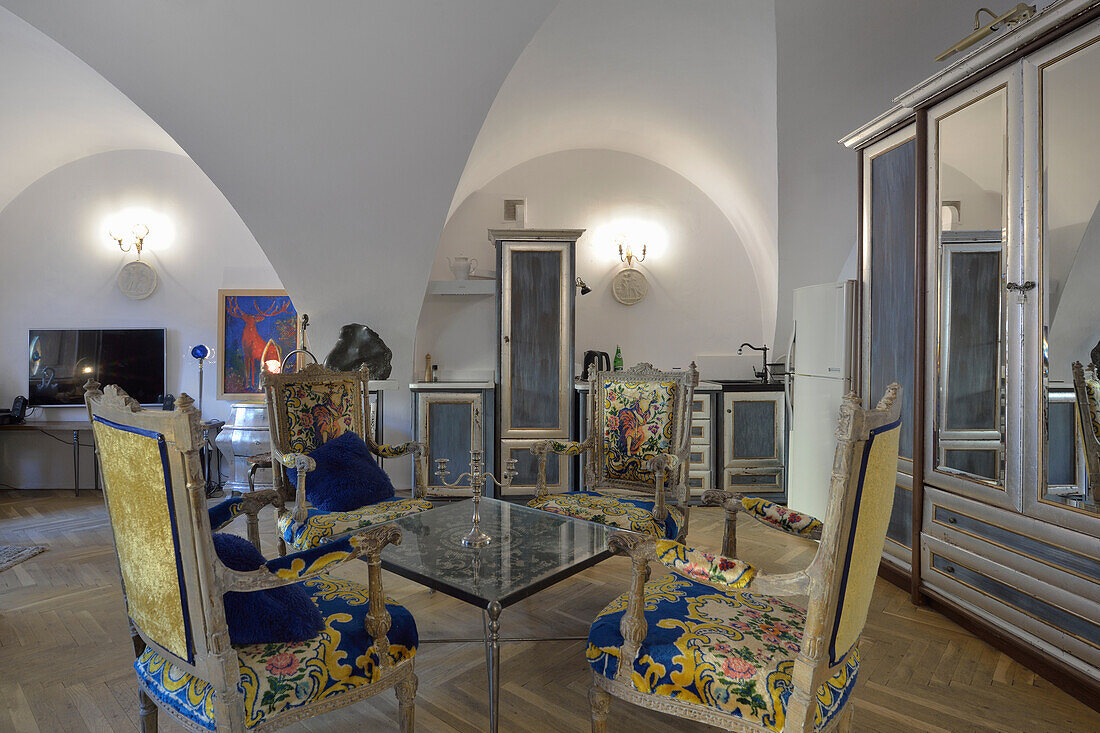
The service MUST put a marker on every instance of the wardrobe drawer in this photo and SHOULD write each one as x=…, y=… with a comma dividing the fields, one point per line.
x=1044, y=551
x=699, y=456
x=1066, y=622
x=700, y=432
x=699, y=481
x=753, y=481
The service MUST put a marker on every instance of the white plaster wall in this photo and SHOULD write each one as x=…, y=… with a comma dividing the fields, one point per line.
x=61, y=272
x=840, y=63
x=690, y=84
x=703, y=296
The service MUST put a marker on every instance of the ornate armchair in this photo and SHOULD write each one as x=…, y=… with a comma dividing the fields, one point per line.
x=173, y=586
x=1086, y=390
x=639, y=425
x=306, y=409
x=768, y=513
x=715, y=641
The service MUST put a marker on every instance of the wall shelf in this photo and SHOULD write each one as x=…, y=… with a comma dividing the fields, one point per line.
x=462, y=287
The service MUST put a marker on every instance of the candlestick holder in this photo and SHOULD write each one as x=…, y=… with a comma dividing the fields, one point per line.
x=478, y=476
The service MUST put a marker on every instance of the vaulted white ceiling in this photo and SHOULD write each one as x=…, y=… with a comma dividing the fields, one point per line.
x=338, y=130
x=55, y=109
x=691, y=86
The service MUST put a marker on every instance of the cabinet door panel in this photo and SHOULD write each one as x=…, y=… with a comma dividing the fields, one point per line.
x=451, y=424
x=536, y=333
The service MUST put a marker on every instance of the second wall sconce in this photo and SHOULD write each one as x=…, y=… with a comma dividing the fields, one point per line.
x=629, y=285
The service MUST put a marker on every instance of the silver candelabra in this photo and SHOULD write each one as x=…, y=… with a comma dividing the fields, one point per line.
x=478, y=476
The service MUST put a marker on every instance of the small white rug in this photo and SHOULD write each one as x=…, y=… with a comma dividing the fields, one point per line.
x=13, y=555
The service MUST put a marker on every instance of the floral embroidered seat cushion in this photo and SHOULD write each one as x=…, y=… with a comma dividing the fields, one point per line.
x=780, y=516
x=624, y=512
x=321, y=526
x=277, y=678
x=729, y=650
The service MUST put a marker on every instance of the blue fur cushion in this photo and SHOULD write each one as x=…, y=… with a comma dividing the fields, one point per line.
x=346, y=476
x=282, y=614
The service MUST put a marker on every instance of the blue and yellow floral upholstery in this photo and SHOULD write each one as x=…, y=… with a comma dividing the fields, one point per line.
x=320, y=526
x=732, y=651
x=780, y=517
x=317, y=413
x=704, y=566
x=278, y=678
x=634, y=514
x=637, y=426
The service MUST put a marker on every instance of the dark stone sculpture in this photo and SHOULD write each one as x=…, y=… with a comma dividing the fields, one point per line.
x=359, y=345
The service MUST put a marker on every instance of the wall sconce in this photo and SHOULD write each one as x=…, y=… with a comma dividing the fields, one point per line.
x=626, y=254
x=585, y=290
x=629, y=286
x=137, y=280
x=133, y=239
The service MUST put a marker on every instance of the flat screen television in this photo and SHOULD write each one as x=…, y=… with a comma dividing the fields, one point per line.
x=62, y=360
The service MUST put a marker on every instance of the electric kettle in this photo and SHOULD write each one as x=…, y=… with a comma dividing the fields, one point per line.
x=598, y=359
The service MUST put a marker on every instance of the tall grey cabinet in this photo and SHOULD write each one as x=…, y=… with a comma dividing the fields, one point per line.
x=980, y=262
x=535, y=348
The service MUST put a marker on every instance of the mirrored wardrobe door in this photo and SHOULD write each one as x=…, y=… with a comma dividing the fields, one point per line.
x=968, y=256
x=1068, y=117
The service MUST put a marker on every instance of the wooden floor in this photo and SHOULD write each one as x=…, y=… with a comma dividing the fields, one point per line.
x=65, y=654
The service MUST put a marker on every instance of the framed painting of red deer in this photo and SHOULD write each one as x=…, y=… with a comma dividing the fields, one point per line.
x=255, y=327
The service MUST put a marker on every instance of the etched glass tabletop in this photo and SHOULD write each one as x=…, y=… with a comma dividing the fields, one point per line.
x=530, y=550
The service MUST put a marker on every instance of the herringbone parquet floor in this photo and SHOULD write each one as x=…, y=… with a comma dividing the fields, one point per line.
x=65, y=653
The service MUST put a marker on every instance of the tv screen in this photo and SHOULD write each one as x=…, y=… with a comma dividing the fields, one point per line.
x=62, y=360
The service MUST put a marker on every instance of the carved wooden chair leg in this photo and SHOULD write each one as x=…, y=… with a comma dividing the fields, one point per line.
x=600, y=701
x=844, y=723
x=147, y=708
x=406, y=705
x=253, y=523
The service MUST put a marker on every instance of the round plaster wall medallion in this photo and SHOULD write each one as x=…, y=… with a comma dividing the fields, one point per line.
x=137, y=280
x=629, y=286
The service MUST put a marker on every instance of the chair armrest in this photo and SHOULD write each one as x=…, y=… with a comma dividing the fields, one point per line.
x=643, y=549
x=660, y=466
x=731, y=503
x=302, y=464
x=543, y=448
x=781, y=518
x=394, y=450
x=664, y=462
x=225, y=512
x=307, y=564
x=419, y=452
x=716, y=570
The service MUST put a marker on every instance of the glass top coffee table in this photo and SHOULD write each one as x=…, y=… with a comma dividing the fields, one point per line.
x=530, y=550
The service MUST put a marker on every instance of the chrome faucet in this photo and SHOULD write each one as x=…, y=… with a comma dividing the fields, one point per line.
x=762, y=375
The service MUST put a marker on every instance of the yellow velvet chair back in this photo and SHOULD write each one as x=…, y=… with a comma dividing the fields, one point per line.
x=862, y=496
x=153, y=490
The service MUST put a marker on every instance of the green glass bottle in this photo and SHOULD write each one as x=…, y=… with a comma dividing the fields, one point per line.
x=617, y=364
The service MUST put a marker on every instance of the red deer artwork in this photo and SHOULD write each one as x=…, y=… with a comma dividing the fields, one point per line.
x=256, y=328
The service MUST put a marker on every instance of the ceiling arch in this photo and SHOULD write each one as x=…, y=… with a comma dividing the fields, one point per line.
x=691, y=87
x=337, y=130
x=57, y=109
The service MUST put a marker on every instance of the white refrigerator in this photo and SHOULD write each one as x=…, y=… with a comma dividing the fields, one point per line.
x=820, y=363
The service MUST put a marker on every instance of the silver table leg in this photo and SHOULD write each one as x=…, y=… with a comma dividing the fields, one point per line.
x=76, y=463
x=492, y=662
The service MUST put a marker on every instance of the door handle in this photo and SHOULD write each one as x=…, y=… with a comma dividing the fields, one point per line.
x=507, y=339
